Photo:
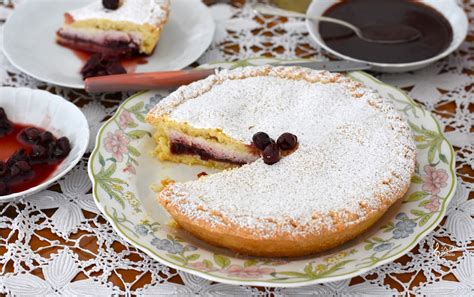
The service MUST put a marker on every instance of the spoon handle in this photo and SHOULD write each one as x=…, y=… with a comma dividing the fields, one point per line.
x=272, y=10
x=336, y=21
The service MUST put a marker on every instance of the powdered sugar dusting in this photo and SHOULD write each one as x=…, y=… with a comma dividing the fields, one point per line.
x=354, y=148
x=135, y=11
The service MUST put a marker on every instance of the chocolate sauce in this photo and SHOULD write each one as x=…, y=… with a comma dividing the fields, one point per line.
x=436, y=32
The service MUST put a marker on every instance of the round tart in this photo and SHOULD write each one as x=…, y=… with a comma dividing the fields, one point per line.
x=355, y=158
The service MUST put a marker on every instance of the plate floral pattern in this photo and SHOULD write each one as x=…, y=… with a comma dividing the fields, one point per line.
x=122, y=170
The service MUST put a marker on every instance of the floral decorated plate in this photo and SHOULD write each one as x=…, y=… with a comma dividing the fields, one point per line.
x=122, y=173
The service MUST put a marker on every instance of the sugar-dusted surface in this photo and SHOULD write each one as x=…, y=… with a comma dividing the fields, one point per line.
x=354, y=149
x=134, y=11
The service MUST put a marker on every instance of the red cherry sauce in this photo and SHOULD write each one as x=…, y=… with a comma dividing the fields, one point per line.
x=130, y=64
x=13, y=142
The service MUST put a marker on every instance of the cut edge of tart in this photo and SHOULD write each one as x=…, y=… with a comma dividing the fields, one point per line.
x=355, y=159
x=182, y=143
x=133, y=28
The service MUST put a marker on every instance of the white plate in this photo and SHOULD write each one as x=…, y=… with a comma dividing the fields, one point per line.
x=449, y=8
x=30, y=32
x=50, y=112
x=122, y=170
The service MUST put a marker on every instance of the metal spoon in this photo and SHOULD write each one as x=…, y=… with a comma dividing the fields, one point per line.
x=376, y=34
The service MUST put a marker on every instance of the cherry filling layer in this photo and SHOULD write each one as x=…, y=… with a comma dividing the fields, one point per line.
x=102, y=43
x=181, y=144
x=183, y=149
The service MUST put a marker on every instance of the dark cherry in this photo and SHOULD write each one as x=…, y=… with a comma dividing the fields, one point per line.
x=23, y=166
x=3, y=114
x=116, y=68
x=201, y=174
x=4, y=131
x=38, y=153
x=100, y=65
x=111, y=4
x=46, y=137
x=3, y=169
x=92, y=66
x=93, y=61
x=4, y=190
x=5, y=124
x=14, y=171
x=20, y=168
x=271, y=154
x=261, y=140
x=50, y=149
x=62, y=148
x=19, y=155
x=287, y=141
x=30, y=135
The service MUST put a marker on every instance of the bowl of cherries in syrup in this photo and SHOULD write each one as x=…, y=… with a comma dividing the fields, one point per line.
x=32, y=156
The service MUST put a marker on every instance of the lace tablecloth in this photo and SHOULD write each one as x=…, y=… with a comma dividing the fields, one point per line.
x=58, y=243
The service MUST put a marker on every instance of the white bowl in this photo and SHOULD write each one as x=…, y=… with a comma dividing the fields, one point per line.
x=50, y=112
x=448, y=8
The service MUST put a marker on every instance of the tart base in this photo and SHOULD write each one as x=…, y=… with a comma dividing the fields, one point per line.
x=249, y=242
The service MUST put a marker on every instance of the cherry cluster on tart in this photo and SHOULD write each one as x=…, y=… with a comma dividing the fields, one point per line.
x=312, y=158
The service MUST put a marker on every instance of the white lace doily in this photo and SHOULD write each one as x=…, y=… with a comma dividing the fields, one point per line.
x=58, y=243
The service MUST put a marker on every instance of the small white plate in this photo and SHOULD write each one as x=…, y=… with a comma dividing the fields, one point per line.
x=33, y=48
x=448, y=8
x=50, y=112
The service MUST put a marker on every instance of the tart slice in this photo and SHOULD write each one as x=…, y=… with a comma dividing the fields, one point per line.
x=354, y=159
x=182, y=143
x=129, y=27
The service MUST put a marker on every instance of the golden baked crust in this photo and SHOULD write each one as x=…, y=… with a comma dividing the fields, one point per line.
x=282, y=244
x=304, y=229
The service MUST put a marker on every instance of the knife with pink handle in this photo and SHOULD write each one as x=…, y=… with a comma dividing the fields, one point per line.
x=172, y=79
x=143, y=81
